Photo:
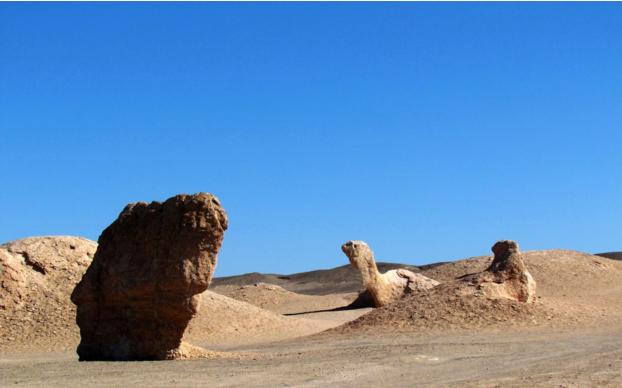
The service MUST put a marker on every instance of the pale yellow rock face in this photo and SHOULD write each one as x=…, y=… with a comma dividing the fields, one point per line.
x=507, y=277
x=35, y=266
x=388, y=287
x=37, y=275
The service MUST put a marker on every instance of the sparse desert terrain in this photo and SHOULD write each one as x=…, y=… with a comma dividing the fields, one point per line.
x=293, y=330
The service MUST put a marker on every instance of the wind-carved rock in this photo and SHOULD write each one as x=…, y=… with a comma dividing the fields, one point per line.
x=140, y=292
x=387, y=287
x=506, y=277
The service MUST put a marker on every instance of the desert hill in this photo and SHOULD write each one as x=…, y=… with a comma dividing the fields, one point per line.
x=343, y=279
x=611, y=255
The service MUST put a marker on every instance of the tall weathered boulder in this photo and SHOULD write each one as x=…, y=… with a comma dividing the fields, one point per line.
x=506, y=277
x=140, y=292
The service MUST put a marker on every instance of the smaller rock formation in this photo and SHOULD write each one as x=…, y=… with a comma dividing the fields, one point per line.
x=506, y=277
x=383, y=288
x=140, y=292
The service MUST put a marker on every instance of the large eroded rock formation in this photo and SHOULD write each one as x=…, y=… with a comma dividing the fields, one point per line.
x=140, y=292
x=387, y=287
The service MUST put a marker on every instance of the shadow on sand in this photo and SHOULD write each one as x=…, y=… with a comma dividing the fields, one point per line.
x=361, y=302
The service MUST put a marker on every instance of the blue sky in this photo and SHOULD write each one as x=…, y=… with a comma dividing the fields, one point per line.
x=428, y=130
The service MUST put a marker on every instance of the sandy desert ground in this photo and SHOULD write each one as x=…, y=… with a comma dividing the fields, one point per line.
x=293, y=330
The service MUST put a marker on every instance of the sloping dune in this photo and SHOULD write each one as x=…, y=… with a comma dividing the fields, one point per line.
x=226, y=321
x=276, y=298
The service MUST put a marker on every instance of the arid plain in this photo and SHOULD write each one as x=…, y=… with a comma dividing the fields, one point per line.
x=295, y=330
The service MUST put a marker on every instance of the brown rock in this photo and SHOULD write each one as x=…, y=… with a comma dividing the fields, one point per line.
x=140, y=292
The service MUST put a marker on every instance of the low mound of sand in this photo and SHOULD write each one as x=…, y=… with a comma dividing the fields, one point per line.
x=264, y=295
x=277, y=299
x=226, y=321
x=441, y=309
x=37, y=276
x=574, y=289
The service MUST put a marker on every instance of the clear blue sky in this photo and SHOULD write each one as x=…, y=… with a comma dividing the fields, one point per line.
x=428, y=130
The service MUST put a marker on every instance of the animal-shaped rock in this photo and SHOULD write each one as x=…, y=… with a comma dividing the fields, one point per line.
x=506, y=277
x=139, y=293
x=387, y=287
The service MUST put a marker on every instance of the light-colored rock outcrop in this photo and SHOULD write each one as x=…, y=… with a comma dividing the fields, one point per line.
x=37, y=275
x=387, y=287
x=506, y=277
x=140, y=292
x=40, y=264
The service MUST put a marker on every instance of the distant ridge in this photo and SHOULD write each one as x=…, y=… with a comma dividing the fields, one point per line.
x=319, y=282
x=611, y=255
